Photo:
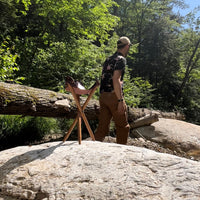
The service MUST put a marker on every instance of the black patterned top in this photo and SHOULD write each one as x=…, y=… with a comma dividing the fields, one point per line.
x=115, y=62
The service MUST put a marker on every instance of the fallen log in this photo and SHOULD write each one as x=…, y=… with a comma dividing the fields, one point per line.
x=168, y=115
x=18, y=99
x=22, y=100
x=144, y=121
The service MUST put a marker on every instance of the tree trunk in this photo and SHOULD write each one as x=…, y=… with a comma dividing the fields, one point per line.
x=189, y=68
x=28, y=101
x=144, y=121
x=22, y=100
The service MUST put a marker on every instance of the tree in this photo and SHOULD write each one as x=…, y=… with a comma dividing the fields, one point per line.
x=48, y=34
x=190, y=46
x=154, y=27
x=189, y=74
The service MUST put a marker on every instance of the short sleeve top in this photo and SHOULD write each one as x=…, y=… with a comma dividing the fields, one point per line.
x=115, y=62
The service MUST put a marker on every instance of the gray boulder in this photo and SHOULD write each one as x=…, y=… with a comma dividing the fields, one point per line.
x=172, y=133
x=94, y=170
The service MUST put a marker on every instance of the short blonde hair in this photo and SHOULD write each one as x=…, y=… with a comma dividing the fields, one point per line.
x=122, y=42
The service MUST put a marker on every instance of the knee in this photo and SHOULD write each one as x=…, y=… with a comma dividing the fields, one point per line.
x=124, y=128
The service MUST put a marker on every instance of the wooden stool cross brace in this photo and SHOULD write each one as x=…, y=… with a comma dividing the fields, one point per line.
x=77, y=90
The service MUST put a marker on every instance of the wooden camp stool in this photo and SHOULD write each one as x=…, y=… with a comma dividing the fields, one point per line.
x=77, y=90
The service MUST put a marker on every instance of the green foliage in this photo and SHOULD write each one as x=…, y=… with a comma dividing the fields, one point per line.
x=15, y=130
x=87, y=62
x=81, y=18
x=26, y=4
x=154, y=28
x=8, y=64
x=50, y=66
x=138, y=92
x=55, y=39
x=189, y=74
x=192, y=112
x=43, y=41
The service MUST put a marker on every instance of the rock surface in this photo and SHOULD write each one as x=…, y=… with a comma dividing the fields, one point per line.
x=172, y=133
x=95, y=170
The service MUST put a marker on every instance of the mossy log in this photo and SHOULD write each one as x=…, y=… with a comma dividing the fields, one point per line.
x=18, y=99
x=144, y=121
x=22, y=100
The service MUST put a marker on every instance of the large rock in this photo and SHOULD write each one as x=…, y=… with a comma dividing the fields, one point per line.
x=172, y=133
x=95, y=170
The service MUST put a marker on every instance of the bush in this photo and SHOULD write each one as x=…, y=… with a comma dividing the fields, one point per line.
x=17, y=130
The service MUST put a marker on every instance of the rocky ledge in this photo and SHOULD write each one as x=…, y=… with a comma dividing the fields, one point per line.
x=95, y=170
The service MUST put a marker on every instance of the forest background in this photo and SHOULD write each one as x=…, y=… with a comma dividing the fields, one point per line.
x=42, y=41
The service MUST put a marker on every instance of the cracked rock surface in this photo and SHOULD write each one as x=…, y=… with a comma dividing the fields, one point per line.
x=97, y=171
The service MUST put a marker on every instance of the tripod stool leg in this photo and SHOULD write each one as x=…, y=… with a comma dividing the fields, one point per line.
x=81, y=110
x=79, y=122
x=79, y=129
x=88, y=126
x=70, y=129
x=89, y=97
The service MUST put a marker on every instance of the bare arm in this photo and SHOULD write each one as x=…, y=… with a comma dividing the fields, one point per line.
x=117, y=84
